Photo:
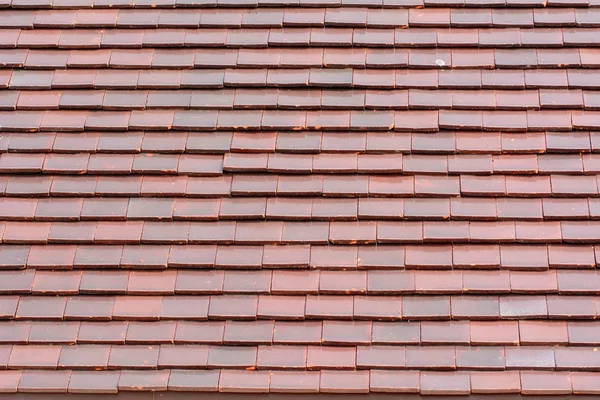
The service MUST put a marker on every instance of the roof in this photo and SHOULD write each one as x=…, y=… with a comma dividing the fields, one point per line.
x=299, y=196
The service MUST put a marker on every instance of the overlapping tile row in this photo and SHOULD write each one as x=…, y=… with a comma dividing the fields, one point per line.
x=515, y=216
x=483, y=334
x=272, y=287
x=292, y=232
x=388, y=33
x=354, y=120
x=356, y=57
x=338, y=78
x=298, y=308
x=411, y=173
x=102, y=357
x=305, y=99
x=341, y=258
x=307, y=382
x=83, y=5
x=357, y=15
x=312, y=142
x=289, y=187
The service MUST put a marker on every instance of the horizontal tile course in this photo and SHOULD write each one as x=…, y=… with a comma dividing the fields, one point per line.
x=315, y=99
x=98, y=357
x=376, y=281
x=134, y=232
x=284, y=142
x=44, y=61
x=369, y=337
x=376, y=381
x=359, y=120
x=517, y=216
x=377, y=75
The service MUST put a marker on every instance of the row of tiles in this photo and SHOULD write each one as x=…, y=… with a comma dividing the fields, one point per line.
x=293, y=186
x=513, y=79
x=462, y=58
x=287, y=232
x=446, y=142
x=100, y=6
x=278, y=333
x=303, y=99
x=388, y=36
x=299, y=282
x=509, y=257
x=311, y=307
x=102, y=357
x=244, y=169
x=210, y=120
x=61, y=209
x=309, y=382
x=361, y=15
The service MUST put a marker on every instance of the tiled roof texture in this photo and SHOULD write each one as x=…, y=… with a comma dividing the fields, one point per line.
x=300, y=196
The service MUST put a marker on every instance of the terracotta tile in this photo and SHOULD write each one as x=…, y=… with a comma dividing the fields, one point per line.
x=182, y=356
x=439, y=357
x=571, y=208
x=44, y=381
x=438, y=282
x=10, y=381
x=232, y=357
x=495, y=382
x=54, y=209
x=93, y=382
x=244, y=381
x=475, y=307
x=339, y=358
x=519, y=209
x=529, y=282
x=76, y=357
x=394, y=381
x=23, y=209
x=133, y=357
x=530, y=357
x=572, y=307
x=89, y=308
x=434, y=307
x=143, y=380
x=419, y=257
x=34, y=357
x=582, y=333
x=240, y=307
x=182, y=380
x=51, y=256
x=139, y=307
x=338, y=257
x=66, y=282
x=329, y=307
x=148, y=256
x=542, y=332
x=390, y=282
x=427, y=209
x=194, y=332
x=583, y=382
x=516, y=307
x=381, y=257
x=581, y=282
x=505, y=332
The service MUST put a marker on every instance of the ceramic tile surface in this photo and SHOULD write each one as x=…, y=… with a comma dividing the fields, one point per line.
x=300, y=196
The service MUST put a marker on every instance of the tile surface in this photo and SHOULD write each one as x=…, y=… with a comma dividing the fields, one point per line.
x=313, y=196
